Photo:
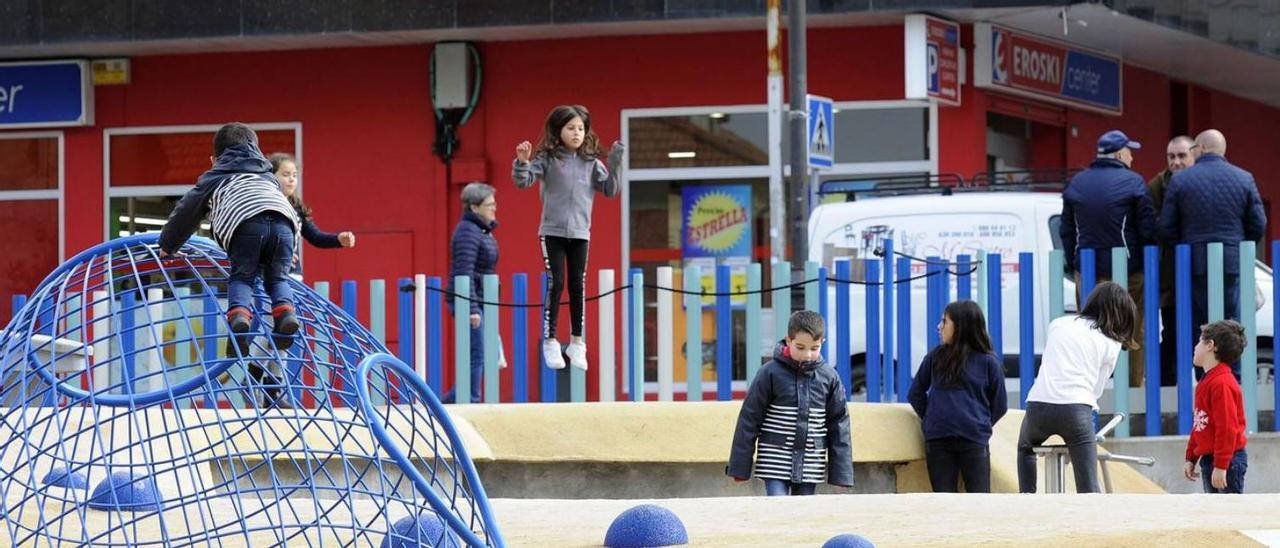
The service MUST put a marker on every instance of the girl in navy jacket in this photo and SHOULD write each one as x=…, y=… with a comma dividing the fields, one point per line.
x=959, y=395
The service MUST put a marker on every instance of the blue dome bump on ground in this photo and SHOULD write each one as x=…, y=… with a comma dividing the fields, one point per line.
x=848, y=540
x=60, y=477
x=125, y=491
x=646, y=525
x=425, y=529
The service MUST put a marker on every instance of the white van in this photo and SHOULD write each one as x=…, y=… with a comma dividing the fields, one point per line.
x=933, y=224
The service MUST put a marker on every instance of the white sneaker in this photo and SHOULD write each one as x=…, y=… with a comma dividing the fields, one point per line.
x=577, y=352
x=551, y=353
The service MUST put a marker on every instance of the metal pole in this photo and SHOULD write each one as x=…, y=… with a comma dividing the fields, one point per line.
x=777, y=192
x=799, y=141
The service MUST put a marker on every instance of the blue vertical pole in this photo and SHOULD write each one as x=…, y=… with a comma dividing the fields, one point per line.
x=822, y=297
x=1151, y=306
x=1182, y=289
x=637, y=329
x=1026, y=326
x=18, y=302
x=546, y=375
x=995, y=305
x=693, y=334
x=724, y=343
x=404, y=331
x=209, y=321
x=1275, y=321
x=887, y=366
x=873, y=332
x=932, y=300
x=964, y=290
x=1088, y=276
x=520, y=339
x=435, y=335
x=904, y=330
x=128, y=303
x=347, y=393
x=843, y=367
x=492, y=346
x=944, y=285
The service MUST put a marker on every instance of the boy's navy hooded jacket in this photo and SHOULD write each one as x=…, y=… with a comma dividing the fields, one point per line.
x=967, y=410
x=1106, y=206
x=239, y=186
x=797, y=413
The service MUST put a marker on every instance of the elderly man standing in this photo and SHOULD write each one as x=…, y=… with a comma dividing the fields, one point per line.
x=1178, y=154
x=1106, y=206
x=1213, y=201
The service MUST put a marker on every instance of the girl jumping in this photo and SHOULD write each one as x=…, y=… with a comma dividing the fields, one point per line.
x=567, y=162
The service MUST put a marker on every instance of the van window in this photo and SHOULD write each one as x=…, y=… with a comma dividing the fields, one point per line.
x=1055, y=222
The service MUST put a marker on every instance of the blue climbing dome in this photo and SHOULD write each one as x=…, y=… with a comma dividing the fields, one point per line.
x=117, y=372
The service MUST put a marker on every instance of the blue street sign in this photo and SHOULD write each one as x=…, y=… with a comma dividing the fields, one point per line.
x=822, y=132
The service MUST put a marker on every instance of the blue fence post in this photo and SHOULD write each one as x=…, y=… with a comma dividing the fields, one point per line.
x=520, y=339
x=889, y=302
x=904, y=329
x=1151, y=339
x=944, y=285
x=492, y=344
x=780, y=296
x=873, y=331
x=1182, y=288
x=435, y=335
x=822, y=298
x=1275, y=341
x=1088, y=268
x=1249, y=359
x=1026, y=326
x=404, y=328
x=724, y=326
x=546, y=375
x=995, y=305
x=933, y=301
x=843, y=366
x=1120, y=378
x=753, y=353
x=210, y=319
x=637, y=328
x=963, y=276
x=461, y=339
x=128, y=350
x=693, y=333
x=17, y=303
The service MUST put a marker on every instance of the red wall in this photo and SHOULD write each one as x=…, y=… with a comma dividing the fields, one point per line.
x=368, y=128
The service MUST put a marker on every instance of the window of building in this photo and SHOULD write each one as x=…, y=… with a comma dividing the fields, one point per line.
x=31, y=217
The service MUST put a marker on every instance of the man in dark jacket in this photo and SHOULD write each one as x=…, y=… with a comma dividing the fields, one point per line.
x=1106, y=206
x=1179, y=156
x=1213, y=201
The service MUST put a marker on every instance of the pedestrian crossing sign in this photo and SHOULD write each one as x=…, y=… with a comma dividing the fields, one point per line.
x=822, y=135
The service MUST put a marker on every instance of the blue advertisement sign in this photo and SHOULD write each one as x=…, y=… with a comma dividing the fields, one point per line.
x=716, y=221
x=45, y=94
x=1047, y=69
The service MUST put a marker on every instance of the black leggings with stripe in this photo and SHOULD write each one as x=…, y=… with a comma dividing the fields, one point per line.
x=559, y=254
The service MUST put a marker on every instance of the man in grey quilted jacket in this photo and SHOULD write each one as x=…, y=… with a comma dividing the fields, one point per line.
x=1213, y=201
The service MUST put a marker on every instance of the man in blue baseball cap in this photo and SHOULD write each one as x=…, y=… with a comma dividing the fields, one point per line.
x=1106, y=206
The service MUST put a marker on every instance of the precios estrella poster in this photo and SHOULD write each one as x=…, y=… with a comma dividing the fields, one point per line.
x=716, y=221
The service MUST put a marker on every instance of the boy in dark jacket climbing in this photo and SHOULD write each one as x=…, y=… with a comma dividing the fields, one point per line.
x=794, y=423
x=252, y=220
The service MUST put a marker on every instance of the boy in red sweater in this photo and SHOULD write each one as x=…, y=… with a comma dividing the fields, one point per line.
x=1217, y=437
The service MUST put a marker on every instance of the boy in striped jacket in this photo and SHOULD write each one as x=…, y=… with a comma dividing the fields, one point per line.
x=252, y=221
x=795, y=421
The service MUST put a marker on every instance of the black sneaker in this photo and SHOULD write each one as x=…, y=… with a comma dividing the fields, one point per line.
x=240, y=319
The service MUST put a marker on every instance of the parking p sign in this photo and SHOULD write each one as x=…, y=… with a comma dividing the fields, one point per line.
x=822, y=132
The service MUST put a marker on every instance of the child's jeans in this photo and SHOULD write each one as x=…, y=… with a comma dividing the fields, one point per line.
x=780, y=488
x=1235, y=473
x=261, y=245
